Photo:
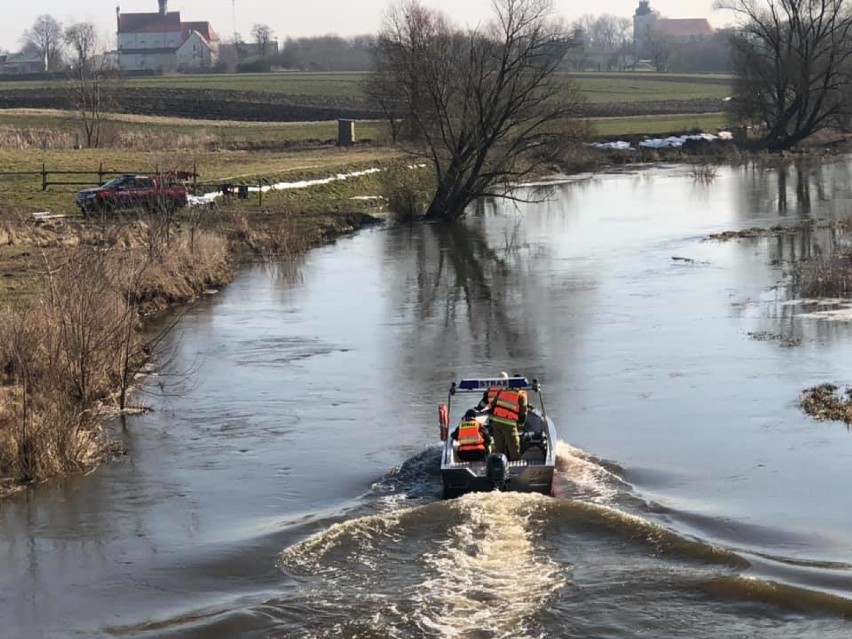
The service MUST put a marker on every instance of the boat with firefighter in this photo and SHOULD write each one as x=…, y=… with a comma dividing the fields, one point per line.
x=469, y=461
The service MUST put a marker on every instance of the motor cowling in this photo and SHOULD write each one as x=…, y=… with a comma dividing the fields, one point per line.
x=497, y=471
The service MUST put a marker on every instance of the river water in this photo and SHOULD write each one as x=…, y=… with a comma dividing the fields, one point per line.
x=287, y=483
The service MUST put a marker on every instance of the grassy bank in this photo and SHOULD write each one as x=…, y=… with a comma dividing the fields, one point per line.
x=23, y=194
x=71, y=340
x=71, y=350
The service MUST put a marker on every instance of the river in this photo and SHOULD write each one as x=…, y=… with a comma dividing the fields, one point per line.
x=287, y=483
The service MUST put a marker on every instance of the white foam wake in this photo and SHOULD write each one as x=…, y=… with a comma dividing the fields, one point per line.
x=580, y=477
x=486, y=577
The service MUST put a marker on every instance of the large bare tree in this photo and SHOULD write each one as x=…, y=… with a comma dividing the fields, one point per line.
x=91, y=79
x=263, y=36
x=46, y=38
x=484, y=107
x=793, y=66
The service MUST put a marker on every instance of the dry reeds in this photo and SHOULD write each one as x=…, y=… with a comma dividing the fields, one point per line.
x=825, y=276
x=111, y=137
x=76, y=346
x=407, y=191
x=826, y=403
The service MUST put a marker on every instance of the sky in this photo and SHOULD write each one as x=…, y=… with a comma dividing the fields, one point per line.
x=317, y=17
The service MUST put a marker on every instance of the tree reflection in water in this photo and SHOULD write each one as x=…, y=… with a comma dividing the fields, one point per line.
x=479, y=296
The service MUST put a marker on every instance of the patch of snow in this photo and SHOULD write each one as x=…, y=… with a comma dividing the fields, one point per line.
x=619, y=145
x=207, y=198
x=677, y=141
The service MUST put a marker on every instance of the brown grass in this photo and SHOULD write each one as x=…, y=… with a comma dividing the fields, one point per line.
x=829, y=276
x=72, y=347
x=827, y=403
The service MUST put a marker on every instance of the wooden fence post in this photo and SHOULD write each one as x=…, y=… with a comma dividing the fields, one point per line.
x=101, y=174
x=260, y=193
x=43, y=176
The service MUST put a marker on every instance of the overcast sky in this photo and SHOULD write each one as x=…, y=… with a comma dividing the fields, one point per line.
x=305, y=18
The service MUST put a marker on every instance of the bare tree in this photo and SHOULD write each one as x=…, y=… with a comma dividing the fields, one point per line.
x=386, y=94
x=607, y=39
x=91, y=80
x=625, y=50
x=660, y=49
x=263, y=35
x=46, y=37
x=792, y=62
x=484, y=106
x=577, y=51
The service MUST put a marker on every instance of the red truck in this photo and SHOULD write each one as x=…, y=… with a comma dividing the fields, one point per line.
x=151, y=192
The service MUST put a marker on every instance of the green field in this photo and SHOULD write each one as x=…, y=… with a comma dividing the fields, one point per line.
x=600, y=89
x=597, y=87
x=657, y=124
x=225, y=134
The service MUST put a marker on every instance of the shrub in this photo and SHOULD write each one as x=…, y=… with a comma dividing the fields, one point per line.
x=407, y=191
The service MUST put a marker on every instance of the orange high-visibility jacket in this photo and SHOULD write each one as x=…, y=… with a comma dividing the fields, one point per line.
x=470, y=438
x=505, y=406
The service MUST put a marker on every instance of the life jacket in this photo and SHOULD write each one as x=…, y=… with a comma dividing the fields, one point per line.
x=505, y=406
x=470, y=438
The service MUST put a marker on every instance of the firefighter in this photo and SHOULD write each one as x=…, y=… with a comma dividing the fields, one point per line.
x=474, y=442
x=508, y=410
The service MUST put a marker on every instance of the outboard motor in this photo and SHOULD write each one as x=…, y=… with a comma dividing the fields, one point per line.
x=497, y=471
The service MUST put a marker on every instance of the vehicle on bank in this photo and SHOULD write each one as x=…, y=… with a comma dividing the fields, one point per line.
x=533, y=472
x=150, y=192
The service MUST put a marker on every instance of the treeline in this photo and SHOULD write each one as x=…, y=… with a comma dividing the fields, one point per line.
x=319, y=53
x=328, y=53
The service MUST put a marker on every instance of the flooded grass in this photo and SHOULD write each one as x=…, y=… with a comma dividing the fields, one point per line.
x=827, y=403
x=829, y=276
x=774, y=231
x=784, y=340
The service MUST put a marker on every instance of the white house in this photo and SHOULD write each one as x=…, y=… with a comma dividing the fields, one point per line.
x=161, y=41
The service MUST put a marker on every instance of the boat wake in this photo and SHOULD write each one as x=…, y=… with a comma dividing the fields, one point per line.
x=488, y=576
x=511, y=565
x=582, y=477
x=445, y=569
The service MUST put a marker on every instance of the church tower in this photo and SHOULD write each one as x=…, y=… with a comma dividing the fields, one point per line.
x=643, y=24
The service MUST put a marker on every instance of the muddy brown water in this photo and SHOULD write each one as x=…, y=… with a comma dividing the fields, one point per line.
x=289, y=486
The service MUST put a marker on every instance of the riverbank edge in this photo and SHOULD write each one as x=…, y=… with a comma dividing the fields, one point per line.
x=325, y=232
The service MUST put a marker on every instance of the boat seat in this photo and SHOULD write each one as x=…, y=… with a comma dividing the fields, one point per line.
x=533, y=445
x=470, y=455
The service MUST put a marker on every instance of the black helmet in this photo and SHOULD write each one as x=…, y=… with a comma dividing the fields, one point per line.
x=470, y=414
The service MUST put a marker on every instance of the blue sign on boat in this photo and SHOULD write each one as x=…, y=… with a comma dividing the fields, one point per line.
x=500, y=382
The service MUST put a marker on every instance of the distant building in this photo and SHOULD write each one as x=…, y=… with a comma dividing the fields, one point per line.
x=23, y=62
x=161, y=41
x=647, y=24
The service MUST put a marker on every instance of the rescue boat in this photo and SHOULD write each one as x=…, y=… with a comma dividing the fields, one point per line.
x=533, y=472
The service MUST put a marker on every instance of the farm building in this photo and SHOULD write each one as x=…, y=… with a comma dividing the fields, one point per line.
x=23, y=62
x=647, y=25
x=162, y=41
